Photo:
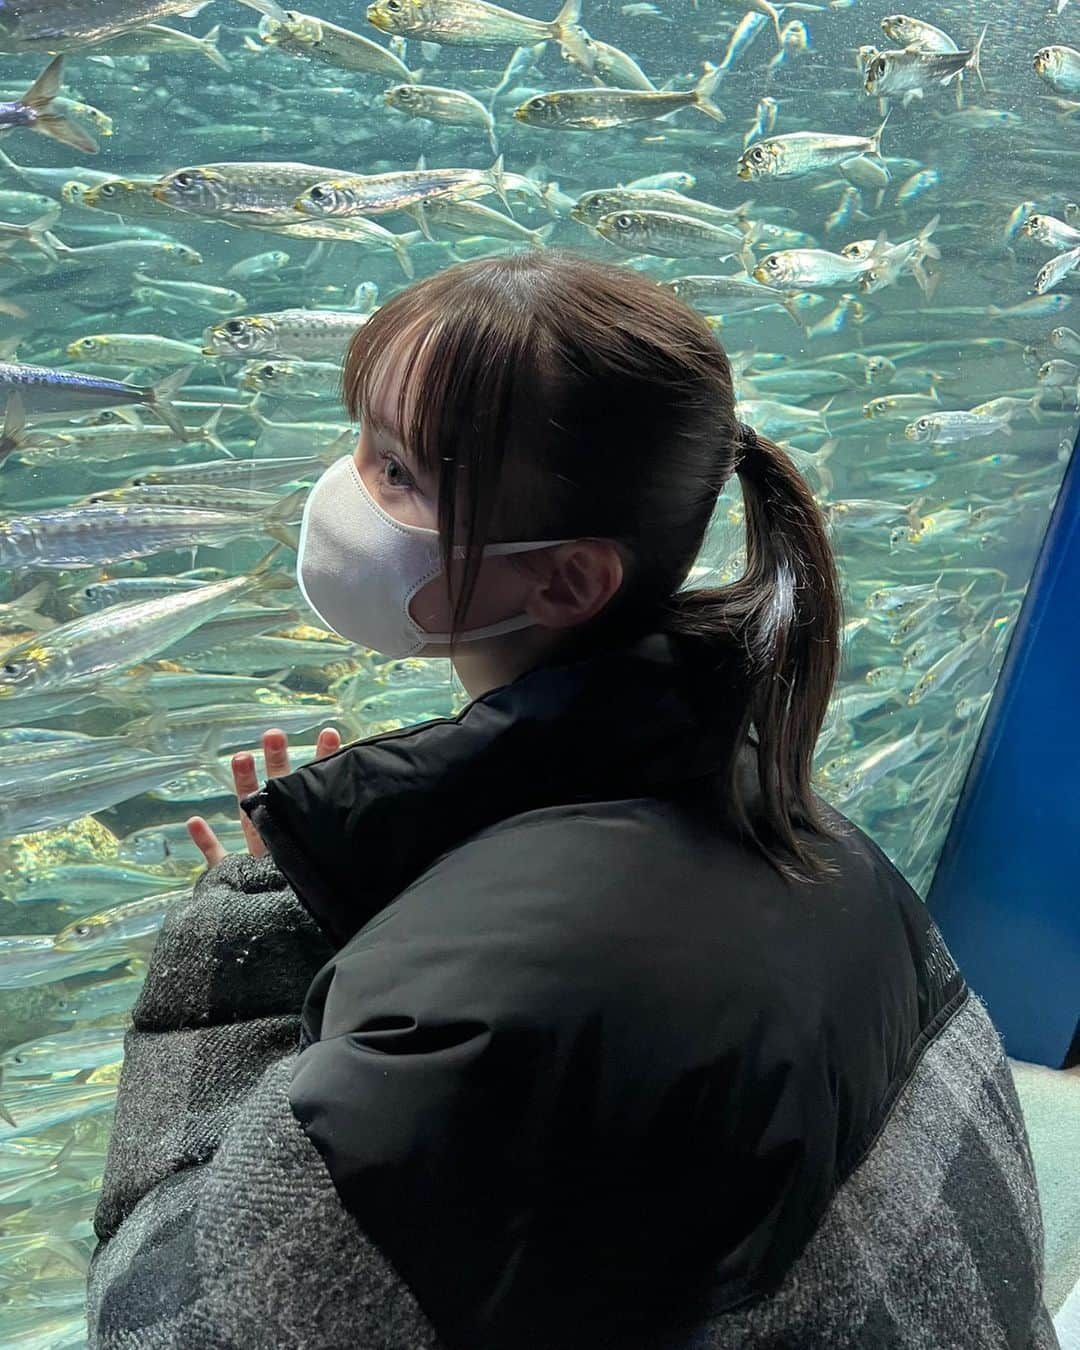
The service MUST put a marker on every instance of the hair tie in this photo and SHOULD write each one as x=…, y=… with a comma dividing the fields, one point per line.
x=748, y=440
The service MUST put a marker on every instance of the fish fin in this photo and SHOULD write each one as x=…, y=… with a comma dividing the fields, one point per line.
x=576, y=44
x=420, y=216
x=46, y=87
x=162, y=392
x=704, y=90
x=61, y=129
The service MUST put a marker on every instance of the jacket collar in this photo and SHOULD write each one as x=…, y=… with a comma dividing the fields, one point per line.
x=351, y=831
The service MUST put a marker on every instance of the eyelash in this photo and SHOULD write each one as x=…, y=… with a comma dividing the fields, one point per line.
x=384, y=457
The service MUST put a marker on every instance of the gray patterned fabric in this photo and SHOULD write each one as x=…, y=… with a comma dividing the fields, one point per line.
x=220, y=1227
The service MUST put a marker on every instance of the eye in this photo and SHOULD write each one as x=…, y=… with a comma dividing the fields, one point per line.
x=14, y=668
x=88, y=344
x=234, y=326
x=772, y=262
x=537, y=104
x=268, y=371
x=317, y=194
x=757, y=154
x=107, y=190
x=184, y=179
x=393, y=5
x=923, y=424
x=879, y=66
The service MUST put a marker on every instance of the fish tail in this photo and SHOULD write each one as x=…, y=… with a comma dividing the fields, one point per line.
x=266, y=578
x=976, y=53
x=576, y=44
x=401, y=252
x=498, y=182
x=774, y=14
x=703, y=91
x=789, y=304
x=38, y=98
x=269, y=7
x=10, y=164
x=210, y=48
x=61, y=129
x=14, y=431
x=161, y=394
x=208, y=433
x=875, y=139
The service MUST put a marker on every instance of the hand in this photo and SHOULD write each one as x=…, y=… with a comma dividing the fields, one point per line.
x=276, y=752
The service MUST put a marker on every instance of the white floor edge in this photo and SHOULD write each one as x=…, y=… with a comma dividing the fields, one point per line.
x=1067, y=1322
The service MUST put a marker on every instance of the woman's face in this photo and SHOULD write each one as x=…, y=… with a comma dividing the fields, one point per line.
x=395, y=481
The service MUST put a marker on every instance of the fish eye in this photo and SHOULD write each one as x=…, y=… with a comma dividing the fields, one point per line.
x=923, y=424
x=317, y=194
x=623, y=221
x=757, y=154
x=234, y=326
x=879, y=66
x=537, y=104
x=772, y=262
x=14, y=667
x=393, y=5
x=269, y=370
x=184, y=179
x=107, y=190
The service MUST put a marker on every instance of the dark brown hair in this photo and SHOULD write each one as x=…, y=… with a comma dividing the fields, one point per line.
x=606, y=405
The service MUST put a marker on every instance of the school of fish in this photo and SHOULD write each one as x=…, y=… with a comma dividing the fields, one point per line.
x=876, y=212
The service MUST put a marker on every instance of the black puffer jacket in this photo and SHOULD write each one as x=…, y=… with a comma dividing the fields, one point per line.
x=574, y=1067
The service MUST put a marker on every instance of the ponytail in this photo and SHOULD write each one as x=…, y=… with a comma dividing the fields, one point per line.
x=785, y=612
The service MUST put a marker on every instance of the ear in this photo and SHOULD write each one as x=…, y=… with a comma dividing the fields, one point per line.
x=579, y=579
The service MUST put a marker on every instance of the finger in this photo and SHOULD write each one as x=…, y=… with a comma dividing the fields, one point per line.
x=245, y=778
x=328, y=743
x=247, y=781
x=205, y=840
x=276, y=752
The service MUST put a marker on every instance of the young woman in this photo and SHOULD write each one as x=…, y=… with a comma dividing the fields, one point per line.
x=578, y=1019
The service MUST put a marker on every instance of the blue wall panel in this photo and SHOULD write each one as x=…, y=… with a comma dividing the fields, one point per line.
x=1006, y=893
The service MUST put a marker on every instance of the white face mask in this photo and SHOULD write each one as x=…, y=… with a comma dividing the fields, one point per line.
x=359, y=567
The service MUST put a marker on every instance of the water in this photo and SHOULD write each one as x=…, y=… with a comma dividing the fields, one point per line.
x=962, y=519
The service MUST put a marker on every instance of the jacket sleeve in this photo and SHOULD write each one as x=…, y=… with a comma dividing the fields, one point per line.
x=218, y=1224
